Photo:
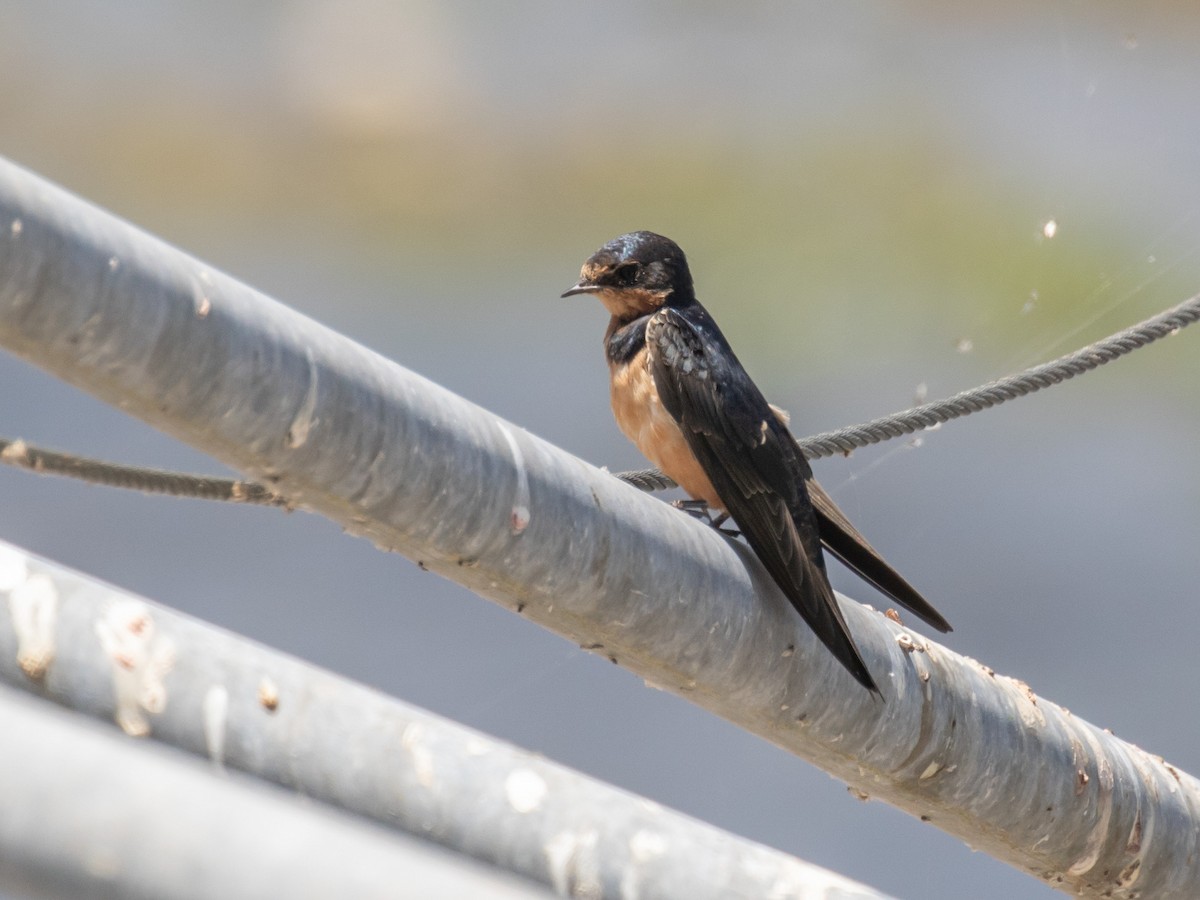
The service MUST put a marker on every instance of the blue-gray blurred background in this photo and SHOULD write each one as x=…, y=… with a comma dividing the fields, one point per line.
x=863, y=189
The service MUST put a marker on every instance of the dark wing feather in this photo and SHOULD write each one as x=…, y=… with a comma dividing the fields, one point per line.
x=846, y=543
x=753, y=462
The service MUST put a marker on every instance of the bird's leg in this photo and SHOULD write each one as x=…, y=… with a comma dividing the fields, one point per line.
x=719, y=520
x=697, y=509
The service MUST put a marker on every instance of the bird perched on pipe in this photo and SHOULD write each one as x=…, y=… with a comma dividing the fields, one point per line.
x=680, y=394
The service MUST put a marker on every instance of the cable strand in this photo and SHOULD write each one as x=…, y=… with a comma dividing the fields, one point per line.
x=136, y=478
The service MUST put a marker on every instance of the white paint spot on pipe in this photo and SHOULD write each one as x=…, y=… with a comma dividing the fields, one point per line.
x=16, y=227
x=646, y=845
x=140, y=661
x=574, y=868
x=525, y=790
x=216, y=717
x=34, y=607
x=519, y=520
x=201, y=302
x=422, y=758
x=477, y=747
x=305, y=419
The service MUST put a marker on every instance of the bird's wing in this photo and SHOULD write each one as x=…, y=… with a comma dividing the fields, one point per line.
x=846, y=543
x=752, y=462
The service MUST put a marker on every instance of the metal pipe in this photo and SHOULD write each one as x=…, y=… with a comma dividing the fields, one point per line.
x=103, y=652
x=87, y=813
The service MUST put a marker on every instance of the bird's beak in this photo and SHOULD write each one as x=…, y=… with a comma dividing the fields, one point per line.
x=582, y=288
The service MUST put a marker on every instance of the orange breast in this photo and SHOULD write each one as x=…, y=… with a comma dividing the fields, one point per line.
x=641, y=416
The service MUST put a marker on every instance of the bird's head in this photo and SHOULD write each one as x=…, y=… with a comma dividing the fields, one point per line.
x=635, y=274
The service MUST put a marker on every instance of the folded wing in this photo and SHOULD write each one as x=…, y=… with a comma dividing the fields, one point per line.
x=753, y=463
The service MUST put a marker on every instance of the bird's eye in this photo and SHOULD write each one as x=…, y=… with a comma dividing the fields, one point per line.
x=627, y=274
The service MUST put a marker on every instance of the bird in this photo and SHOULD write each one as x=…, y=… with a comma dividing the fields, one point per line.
x=680, y=394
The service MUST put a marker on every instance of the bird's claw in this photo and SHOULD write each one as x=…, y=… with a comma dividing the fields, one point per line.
x=697, y=509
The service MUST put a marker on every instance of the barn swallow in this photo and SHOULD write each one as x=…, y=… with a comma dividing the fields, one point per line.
x=680, y=394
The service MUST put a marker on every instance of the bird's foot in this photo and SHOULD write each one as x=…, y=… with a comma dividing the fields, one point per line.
x=699, y=509
x=719, y=521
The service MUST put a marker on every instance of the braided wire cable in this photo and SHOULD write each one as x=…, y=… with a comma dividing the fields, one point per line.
x=844, y=440
x=829, y=443
x=136, y=478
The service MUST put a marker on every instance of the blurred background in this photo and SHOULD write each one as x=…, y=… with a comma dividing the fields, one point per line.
x=865, y=192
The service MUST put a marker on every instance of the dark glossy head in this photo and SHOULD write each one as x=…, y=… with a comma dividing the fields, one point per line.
x=636, y=274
